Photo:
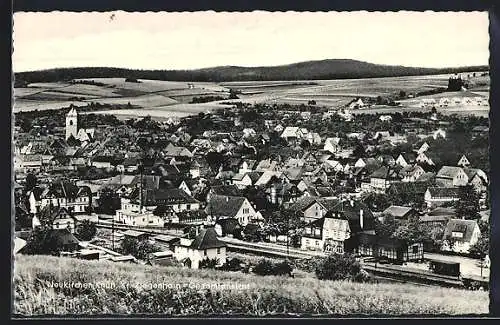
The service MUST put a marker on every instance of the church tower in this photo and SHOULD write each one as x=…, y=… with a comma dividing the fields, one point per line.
x=72, y=123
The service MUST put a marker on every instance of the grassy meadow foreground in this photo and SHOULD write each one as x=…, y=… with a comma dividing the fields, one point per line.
x=137, y=289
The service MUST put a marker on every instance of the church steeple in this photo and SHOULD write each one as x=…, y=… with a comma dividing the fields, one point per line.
x=72, y=123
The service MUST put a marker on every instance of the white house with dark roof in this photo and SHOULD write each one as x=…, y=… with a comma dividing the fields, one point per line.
x=411, y=173
x=452, y=176
x=459, y=235
x=205, y=245
x=332, y=145
x=437, y=196
x=237, y=207
x=77, y=199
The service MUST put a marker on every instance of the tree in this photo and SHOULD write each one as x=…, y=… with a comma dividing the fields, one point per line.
x=411, y=232
x=139, y=249
x=359, y=151
x=108, y=201
x=86, y=230
x=386, y=227
x=263, y=267
x=31, y=182
x=233, y=94
x=339, y=267
x=208, y=263
x=233, y=264
x=468, y=204
x=377, y=201
x=481, y=248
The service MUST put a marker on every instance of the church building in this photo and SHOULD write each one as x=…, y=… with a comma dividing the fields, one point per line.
x=84, y=135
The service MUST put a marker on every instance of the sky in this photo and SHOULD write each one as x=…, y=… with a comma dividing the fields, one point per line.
x=191, y=40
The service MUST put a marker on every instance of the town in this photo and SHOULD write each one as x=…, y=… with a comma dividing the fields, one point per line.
x=407, y=190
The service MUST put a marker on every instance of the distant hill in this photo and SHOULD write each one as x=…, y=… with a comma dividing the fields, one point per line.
x=310, y=70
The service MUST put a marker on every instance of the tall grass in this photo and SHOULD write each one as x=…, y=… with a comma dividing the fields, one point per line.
x=256, y=296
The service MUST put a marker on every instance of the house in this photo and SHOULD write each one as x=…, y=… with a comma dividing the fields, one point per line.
x=132, y=215
x=356, y=104
x=405, y=159
x=381, y=179
x=478, y=179
x=427, y=158
x=205, y=245
x=411, y=173
x=172, y=151
x=452, y=176
x=332, y=145
x=330, y=232
x=438, y=217
x=393, y=250
x=400, y=212
x=65, y=239
x=437, y=196
x=317, y=233
x=237, y=207
x=77, y=199
x=175, y=198
x=247, y=165
x=291, y=133
x=460, y=235
x=227, y=227
x=463, y=162
x=439, y=133
x=19, y=244
x=248, y=179
x=137, y=235
x=268, y=165
x=423, y=148
x=385, y=118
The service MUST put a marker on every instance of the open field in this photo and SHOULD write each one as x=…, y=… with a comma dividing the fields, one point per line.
x=113, y=288
x=158, y=96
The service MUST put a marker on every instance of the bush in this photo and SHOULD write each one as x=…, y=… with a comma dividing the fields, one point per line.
x=339, y=267
x=266, y=267
x=233, y=264
x=86, y=230
x=208, y=263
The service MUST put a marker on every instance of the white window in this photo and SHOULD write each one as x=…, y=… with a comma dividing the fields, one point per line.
x=456, y=234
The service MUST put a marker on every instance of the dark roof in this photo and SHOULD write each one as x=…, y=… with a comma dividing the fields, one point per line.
x=231, y=190
x=63, y=237
x=65, y=189
x=444, y=192
x=228, y=225
x=458, y=225
x=399, y=211
x=440, y=211
x=206, y=239
x=164, y=196
x=385, y=173
x=352, y=213
x=223, y=205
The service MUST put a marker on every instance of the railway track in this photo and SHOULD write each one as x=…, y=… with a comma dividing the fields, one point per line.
x=263, y=249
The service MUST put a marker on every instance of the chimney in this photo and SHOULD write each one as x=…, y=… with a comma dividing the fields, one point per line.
x=361, y=218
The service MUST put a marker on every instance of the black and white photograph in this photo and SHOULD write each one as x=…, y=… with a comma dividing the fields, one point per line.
x=250, y=164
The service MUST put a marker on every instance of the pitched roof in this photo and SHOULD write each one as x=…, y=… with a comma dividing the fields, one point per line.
x=444, y=192
x=207, y=238
x=448, y=172
x=231, y=190
x=398, y=211
x=458, y=225
x=227, y=206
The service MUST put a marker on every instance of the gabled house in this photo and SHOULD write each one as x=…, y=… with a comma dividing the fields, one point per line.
x=423, y=148
x=478, y=179
x=400, y=212
x=437, y=196
x=343, y=221
x=332, y=145
x=77, y=199
x=452, y=176
x=460, y=235
x=411, y=173
x=463, y=161
x=381, y=179
x=205, y=245
x=237, y=207
x=406, y=158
